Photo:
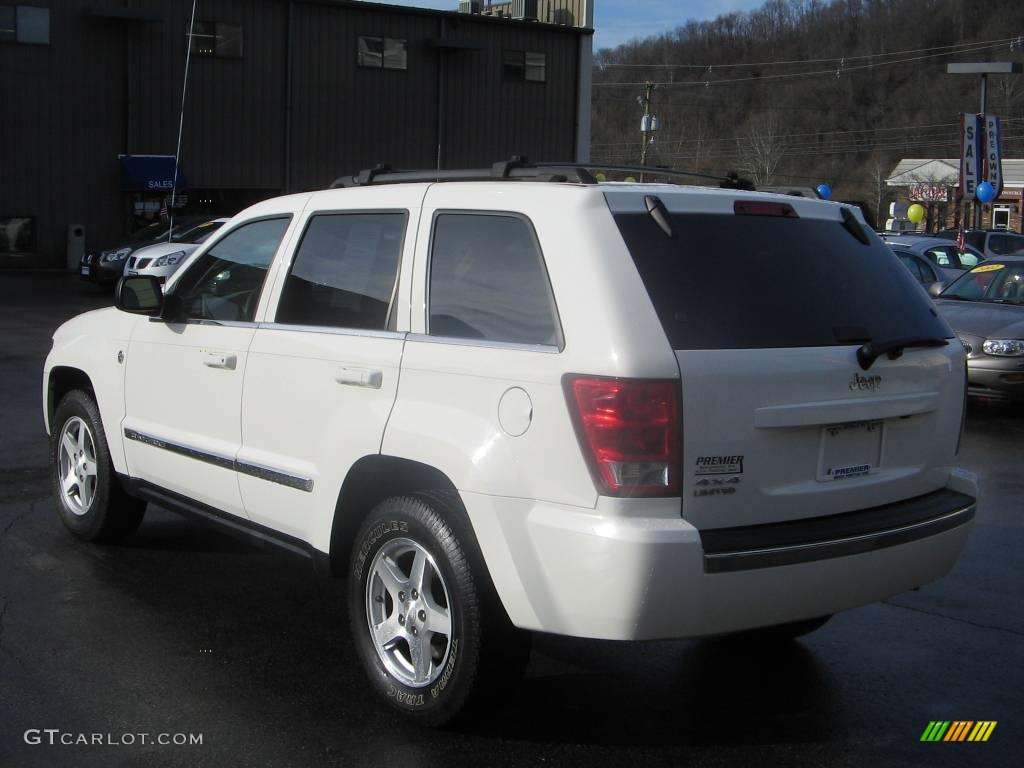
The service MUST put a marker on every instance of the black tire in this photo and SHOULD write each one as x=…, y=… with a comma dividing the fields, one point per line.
x=111, y=514
x=781, y=633
x=482, y=643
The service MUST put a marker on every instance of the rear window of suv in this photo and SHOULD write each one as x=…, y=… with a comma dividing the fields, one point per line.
x=744, y=282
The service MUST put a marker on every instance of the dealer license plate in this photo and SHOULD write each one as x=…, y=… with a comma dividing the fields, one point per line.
x=850, y=450
x=85, y=271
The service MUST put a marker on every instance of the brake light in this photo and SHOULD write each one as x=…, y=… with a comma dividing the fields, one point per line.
x=629, y=431
x=758, y=208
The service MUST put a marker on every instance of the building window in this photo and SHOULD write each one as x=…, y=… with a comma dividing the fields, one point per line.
x=215, y=39
x=381, y=52
x=525, y=65
x=24, y=24
x=17, y=234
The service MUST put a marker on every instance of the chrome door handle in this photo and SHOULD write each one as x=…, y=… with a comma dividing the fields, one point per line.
x=220, y=360
x=359, y=377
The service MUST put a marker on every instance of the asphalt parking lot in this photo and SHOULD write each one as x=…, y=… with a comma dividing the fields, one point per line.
x=182, y=630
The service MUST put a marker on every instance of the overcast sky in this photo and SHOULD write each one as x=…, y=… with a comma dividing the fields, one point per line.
x=617, y=21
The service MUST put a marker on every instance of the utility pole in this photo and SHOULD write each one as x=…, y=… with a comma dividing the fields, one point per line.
x=647, y=123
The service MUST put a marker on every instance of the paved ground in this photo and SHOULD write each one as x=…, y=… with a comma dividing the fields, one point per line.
x=182, y=630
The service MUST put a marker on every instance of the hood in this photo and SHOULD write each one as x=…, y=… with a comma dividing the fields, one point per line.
x=989, y=321
x=163, y=249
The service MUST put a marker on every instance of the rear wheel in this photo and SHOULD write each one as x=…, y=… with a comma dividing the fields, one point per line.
x=426, y=625
x=91, y=502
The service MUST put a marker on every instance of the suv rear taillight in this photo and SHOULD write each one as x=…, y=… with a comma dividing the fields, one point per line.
x=629, y=430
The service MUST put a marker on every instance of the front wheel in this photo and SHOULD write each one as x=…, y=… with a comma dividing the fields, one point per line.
x=92, y=504
x=419, y=603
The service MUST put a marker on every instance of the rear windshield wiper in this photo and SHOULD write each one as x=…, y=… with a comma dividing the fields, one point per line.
x=871, y=351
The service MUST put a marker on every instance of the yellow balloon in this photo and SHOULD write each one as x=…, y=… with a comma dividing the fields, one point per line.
x=916, y=213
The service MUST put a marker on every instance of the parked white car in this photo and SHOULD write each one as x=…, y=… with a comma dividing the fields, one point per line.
x=163, y=259
x=618, y=411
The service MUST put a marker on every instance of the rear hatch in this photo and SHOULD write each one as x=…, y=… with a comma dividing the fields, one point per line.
x=767, y=301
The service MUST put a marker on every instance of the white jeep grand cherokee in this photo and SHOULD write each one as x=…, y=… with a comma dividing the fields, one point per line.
x=532, y=402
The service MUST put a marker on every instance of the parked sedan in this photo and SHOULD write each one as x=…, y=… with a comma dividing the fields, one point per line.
x=986, y=309
x=923, y=270
x=940, y=252
x=107, y=266
x=163, y=259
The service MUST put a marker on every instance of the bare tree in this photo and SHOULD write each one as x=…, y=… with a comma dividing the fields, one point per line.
x=761, y=147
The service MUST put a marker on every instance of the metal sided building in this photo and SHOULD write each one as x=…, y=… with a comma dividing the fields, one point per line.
x=282, y=96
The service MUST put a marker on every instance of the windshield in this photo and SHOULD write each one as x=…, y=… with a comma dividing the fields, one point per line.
x=154, y=231
x=198, y=234
x=747, y=282
x=996, y=283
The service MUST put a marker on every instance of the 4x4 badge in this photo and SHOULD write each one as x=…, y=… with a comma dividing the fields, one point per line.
x=865, y=383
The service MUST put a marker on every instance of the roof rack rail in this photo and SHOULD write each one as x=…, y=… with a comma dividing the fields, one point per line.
x=520, y=168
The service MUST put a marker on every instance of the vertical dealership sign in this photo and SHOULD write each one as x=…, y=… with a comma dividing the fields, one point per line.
x=993, y=166
x=970, y=155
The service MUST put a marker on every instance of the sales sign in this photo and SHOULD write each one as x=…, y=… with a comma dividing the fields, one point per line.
x=970, y=155
x=993, y=171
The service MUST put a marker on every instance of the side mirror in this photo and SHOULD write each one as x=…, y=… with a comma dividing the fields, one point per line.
x=140, y=295
x=936, y=288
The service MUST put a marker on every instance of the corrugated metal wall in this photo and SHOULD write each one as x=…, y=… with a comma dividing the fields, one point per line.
x=105, y=87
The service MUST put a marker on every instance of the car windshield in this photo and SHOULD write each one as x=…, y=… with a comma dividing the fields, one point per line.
x=158, y=231
x=992, y=282
x=154, y=231
x=198, y=234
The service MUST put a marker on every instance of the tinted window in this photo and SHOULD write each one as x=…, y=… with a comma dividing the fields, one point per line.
x=1002, y=244
x=345, y=271
x=911, y=263
x=735, y=282
x=488, y=281
x=224, y=283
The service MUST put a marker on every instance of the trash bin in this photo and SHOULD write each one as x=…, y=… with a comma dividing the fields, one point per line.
x=76, y=245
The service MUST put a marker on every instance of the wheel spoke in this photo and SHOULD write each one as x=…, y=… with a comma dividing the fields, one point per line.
x=419, y=651
x=388, y=631
x=90, y=468
x=68, y=447
x=85, y=494
x=69, y=481
x=419, y=571
x=393, y=578
x=81, y=436
x=439, y=621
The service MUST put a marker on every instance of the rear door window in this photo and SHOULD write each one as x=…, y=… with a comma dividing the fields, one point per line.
x=345, y=271
x=744, y=282
x=488, y=281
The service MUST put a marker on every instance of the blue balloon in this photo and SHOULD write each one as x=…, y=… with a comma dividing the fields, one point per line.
x=824, y=191
x=985, y=192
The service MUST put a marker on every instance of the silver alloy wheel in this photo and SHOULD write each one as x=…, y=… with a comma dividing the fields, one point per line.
x=408, y=613
x=77, y=465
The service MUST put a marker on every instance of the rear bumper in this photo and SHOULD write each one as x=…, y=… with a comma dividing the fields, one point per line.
x=611, y=574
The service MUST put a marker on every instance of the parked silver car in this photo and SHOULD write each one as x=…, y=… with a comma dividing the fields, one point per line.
x=163, y=259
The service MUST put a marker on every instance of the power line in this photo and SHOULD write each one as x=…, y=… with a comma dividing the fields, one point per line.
x=792, y=75
x=859, y=57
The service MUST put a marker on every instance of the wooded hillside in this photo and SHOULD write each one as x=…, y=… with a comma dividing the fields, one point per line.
x=806, y=91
